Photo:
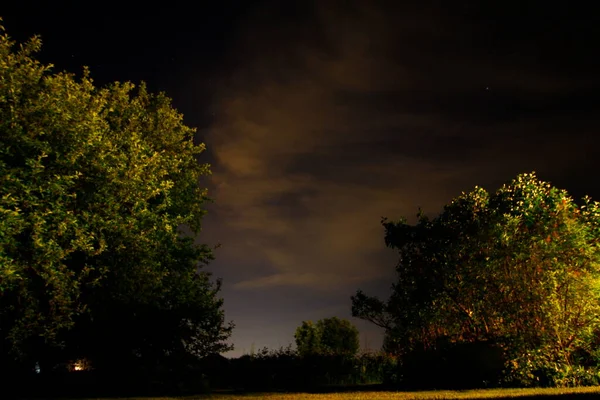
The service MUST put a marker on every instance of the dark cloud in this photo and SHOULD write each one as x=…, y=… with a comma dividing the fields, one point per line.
x=338, y=113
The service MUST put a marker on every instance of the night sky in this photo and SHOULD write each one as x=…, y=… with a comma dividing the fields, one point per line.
x=320, y=117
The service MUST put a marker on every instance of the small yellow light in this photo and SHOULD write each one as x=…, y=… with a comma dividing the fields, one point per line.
x=79, y=365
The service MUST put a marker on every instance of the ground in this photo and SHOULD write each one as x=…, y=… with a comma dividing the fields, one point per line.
x=521, y=394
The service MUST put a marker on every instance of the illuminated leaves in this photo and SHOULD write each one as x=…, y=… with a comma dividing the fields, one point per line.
x=520, y=266
x=94, y=186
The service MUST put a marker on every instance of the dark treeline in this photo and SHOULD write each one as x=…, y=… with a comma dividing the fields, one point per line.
x=450, y=367
x=267, y=370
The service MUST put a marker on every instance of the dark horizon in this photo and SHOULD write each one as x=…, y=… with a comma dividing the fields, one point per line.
x=320, y=117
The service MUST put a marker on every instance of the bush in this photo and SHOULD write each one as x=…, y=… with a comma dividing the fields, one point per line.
x=285, y=369
x=452, y=366
x=536, y=368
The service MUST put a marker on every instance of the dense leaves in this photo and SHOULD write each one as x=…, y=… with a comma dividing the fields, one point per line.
x=95, y=185
x=519, y=268
x=329, y=336
x=286, y=369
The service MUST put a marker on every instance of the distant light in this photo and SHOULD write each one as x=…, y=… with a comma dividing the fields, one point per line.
x=80, y=365
x=37, y=368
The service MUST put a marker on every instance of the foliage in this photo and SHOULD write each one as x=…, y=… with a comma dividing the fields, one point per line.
x=308, y=340
x=285, y=369
x=95, y=184
x=518, y=268
x=451, y=366
x=328, y=336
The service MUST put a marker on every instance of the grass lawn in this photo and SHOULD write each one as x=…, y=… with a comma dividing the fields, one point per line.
x=529, y=394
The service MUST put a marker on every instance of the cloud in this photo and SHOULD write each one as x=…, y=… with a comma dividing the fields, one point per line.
x=348, y=114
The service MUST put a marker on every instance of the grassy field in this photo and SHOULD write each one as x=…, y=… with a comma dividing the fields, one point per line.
x=523, y=394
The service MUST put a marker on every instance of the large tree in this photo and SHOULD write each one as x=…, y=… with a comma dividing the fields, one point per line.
x=519, y=267
x=95, y=187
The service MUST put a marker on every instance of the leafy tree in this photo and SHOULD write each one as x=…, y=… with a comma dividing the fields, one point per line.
x=95, y=185
x=308, y=340
x=329, y=336
x=519, y=267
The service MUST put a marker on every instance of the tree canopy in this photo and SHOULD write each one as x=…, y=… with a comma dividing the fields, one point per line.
x=95, y=186
x=519, y=267
x=329, y=336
